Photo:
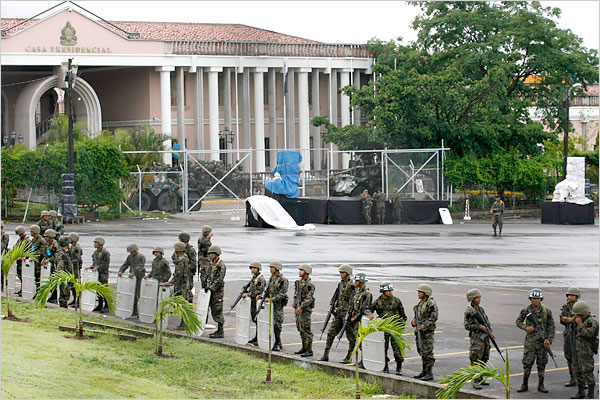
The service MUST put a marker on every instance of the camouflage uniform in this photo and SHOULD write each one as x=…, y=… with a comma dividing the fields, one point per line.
x=44, y=225
x=181, y=281
x=191, y=253
x=257, y=285
x=63, y=263
x=217, y=289
x=533, y=349
x=76, y=255
x=101, y=260
x=361, y=301
x=586, y=344
x=51, y=252
x=160, y=270
x=344, y=300
x=25, y=238
x=136, y=263
x=388, y=308
x=498, y=210
x=304, y=299
x=57, y=226
x=278, y=286
x=397, y=207
x=204, y=244
x=568, y=336
x=367, y=204
x=427, y=311
x=479, y=340
x=5, y=240
x=379, y=199
x=38, y=245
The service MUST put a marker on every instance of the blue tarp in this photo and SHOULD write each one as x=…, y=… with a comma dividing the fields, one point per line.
x=289, y=169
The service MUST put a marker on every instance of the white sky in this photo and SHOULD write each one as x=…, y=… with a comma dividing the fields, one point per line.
x=324, y=21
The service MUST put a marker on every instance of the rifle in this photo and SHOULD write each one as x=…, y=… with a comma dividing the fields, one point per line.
x=263, y=296
x=490, y=333
x=418, y=332
x=346, y=321
x=331, y=308
x=539, y=334
x=237, y=300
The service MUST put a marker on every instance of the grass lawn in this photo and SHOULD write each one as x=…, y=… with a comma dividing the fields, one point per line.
x=39, y=362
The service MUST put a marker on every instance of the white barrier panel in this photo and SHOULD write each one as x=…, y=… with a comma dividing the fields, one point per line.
x=88, y=299
x=12, y=279
x=262, y=333
x=446, y=217
x=373, y=349
x=125, y=296
x=164, y=292
x=148, y=300
x=28, y=285
x=242, y=321
x=202, y=303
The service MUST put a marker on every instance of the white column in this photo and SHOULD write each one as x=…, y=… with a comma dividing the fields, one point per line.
x=303, y=116
x=316, y=111
x=333, y=113
x=199, y=107
x=356, y=111
x=180, y=93
x=345, y=110
x=165, y=108
x=259, y=118
x=213, y=111
x=273, y=116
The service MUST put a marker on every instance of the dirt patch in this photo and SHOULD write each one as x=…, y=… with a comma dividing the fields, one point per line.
x=15, y=319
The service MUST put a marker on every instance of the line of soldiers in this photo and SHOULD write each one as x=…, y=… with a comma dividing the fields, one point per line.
x=379, y=199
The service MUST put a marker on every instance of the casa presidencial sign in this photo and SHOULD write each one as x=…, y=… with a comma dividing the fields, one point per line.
x=68, y=41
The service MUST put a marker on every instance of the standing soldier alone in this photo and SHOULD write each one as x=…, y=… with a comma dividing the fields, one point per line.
x=586, y=346
x=367, y=204
x=63, y=263
x=497, y=211
x=479, y=334
x=76, y=254
x=427, y=314
x=101, y=263
x=303, y=304
x=160, y=267
x=360, y=304
x=341, y=305
x=216, y=285
x=256, y=287
x=204, y=243
x=567, y=318
x=379, y=198
x=136, y=262
x=277, y=291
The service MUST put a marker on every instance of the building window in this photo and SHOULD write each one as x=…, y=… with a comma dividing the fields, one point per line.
x=174, y=90
x=267, y=152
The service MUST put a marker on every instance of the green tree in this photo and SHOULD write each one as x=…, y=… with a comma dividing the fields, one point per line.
x=21, y=250
x=59, y=130
x=178, y=307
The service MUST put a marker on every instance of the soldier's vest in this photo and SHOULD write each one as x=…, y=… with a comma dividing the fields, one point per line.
x=387, y=313
x=345, y=294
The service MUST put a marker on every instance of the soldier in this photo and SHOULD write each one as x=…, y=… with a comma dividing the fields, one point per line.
x=38, y=245
x=367, y=204
x=303, y=304
x=190, y=252
x=5, y=238
x=56, y=224
x=567, y=319
x=379, y=199
x=277, y=289
x=257, y=285
x=216, y=285
x=136, y=262
x=388, y=305
x=180, y=279
x=76, y=255
x=204, y=243
x=20, y=231
x=100, y=263
x=497, y=211
x=361, y=301
x=479, y=334
x=535, y=347
x=49, y=257
x=427, y=312
x=44, y=223
x=63, y=263
x=396, y=207
x=586, y=346
x=160, y=267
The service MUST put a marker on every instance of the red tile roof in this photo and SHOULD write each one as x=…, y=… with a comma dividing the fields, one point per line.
x=185, y=31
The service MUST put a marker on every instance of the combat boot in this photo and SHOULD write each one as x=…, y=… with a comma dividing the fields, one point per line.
x=277, y=346
x=219, y=332
x=98, y=308
x=421, y=374
x=572, y=381
x=303, y=349
x=386, y=369
x=500, y=230
x=524, y=386
x=348, y=359
x=590, y=393
x=325, y=356
x=580, y=392
x=476, y=384
x=254, y=342
x=308, y=352
x=541, y=387
x=428, y=375
x=398, y=367
x=495, y=232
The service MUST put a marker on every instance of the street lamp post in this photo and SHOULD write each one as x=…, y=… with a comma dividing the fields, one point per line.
x=227, y=136
x=566, y=133
x=69, y=203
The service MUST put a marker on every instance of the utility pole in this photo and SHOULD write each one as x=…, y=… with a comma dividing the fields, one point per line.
x=68, y=204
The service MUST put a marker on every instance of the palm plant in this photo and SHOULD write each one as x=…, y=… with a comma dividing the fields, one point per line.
x=393, y=326
x=10, y=257
x=178, y=307
x=484, y=371
x=65, y=278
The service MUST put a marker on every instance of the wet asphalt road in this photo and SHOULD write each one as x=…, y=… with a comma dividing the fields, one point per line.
x=451, y=258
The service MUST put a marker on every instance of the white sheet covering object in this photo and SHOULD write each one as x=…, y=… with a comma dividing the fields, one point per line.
x=274, y=214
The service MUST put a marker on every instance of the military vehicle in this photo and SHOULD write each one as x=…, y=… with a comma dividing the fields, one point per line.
x=353, y=181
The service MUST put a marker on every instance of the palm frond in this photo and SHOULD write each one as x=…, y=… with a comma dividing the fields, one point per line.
x=393, y=326
x=457, y=379
x=49, y=286
x=180, y=307
x=19, y=250
x=99, y=289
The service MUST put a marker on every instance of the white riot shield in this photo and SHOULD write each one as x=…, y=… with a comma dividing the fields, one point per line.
x=373, y=349
x=148, y=300
x=164, y=292
x=242, y=321
x=125, y=296
x=262, y=333
x=44, y=275
x=28, y=284
x=88, y=299
x=202, y=303
x=12, y=279
x=445, y=215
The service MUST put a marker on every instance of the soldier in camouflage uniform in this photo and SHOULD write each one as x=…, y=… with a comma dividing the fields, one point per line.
x=76, y=254
x=535, y=348
x=345, y=293
x=38, y=245
x=497, y=211
x=136, y=263
x=367, y=204
x=277, y=290
x=361, y=301
x=5, y=239
x=191, y=253
x=180, y=279
x=44, y=223
x=586, y=343
x=63, y=263
x=49, y=257
x=160, y=267
x=56, y=224
x=427, y=311
x=20, y=231
x=101, y=263
x=204, y=243
x=216, y=285
x=479, y=335
x=303, y=304
x=396, y=207
x=379, y=199
x=567, y=319
x=388, y=305
x=257, y=285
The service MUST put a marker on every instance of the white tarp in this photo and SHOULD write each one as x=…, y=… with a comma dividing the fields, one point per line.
x=125, y=296
x=148, y=300
x=274, y=214
x=373, y=349
x=242, y=321
x=88, y=299
x=28, y=285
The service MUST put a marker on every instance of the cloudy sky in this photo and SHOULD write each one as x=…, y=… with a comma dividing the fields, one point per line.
x=324, y=21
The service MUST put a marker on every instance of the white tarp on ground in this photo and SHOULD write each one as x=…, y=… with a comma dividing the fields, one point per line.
x=274, y=214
